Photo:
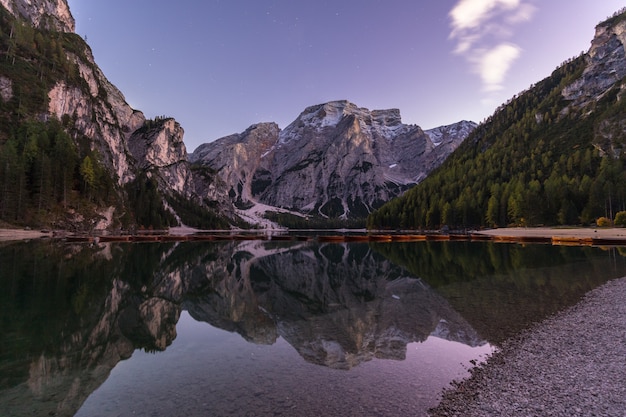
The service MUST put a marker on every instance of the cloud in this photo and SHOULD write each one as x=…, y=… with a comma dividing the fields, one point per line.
x=482, y=29
x=495, y=63
x=469, y=14
x=523, y=13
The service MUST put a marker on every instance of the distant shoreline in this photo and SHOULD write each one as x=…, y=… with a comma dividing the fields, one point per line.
x=22, y=234
x=548, y=232
x=501, y=234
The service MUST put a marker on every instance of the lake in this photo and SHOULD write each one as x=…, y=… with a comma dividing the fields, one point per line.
x=255, y=328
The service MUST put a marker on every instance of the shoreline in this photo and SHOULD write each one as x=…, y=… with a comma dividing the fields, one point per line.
x=7, y=235
x=549, y=232
x=571, y=364
x=571, y=235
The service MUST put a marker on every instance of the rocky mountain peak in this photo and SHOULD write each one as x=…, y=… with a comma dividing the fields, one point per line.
x=390, y=117
x=317, y=118
x=260, y=137
x=603, y=76
x=329, y=115
x=43, y=14
x=444, y=134
x=335, y=160
x=160, y=145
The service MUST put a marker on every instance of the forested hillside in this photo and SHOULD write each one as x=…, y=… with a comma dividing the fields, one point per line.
x=546, y=157
x=74, y=155
x=42, y=170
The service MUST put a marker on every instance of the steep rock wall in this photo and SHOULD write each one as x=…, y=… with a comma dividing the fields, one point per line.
x=43, y=14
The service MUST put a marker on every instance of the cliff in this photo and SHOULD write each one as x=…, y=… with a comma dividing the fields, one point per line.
x=51, y=15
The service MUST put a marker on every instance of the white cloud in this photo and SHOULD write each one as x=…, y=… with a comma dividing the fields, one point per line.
x=522, y=14
x=469, y=14
x=495, y=63
x=482, y=30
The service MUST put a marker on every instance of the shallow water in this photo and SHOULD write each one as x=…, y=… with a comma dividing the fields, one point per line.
x=208, y=371
x=267, y=328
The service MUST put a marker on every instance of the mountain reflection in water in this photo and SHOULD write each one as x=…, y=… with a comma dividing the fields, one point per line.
x=71, y=313
x=336, y=304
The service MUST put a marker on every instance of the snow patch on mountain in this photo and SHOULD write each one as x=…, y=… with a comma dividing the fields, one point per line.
x=256, y=215
x=442, y=134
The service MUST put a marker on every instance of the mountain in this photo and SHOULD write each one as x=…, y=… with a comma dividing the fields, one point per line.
x=74, y=154
x=336, y=160
x=554, y=154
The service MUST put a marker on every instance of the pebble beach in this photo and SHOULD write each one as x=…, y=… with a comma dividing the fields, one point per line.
x=572, y=364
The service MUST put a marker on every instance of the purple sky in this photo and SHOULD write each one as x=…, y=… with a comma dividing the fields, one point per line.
x=219, y=66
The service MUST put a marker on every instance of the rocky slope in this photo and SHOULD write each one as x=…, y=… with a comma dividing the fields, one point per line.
x=44, y=14
x=605, y=68
x=334, y=160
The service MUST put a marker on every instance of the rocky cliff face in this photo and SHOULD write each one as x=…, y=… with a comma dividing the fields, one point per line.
x=99, y=113
x=603, y=76
x=160, y=151
x=606, y=65
x=237, y=158
x=44, y=14
x=162, y=148
x=446, y=139
x=334, y=160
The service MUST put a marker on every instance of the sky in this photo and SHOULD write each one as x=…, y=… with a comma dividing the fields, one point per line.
x=220, y=66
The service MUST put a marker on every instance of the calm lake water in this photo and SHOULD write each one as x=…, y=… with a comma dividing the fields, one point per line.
x=259, y=328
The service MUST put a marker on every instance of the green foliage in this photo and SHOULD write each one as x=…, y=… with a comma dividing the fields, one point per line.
x=88, y=173
x=196, y=215
x=150, y=124
x=40, y=164
x=617, y=17
x=528, y=164
x=40, y=175
x=34, y=61
x=146, y=203
x=620, y=219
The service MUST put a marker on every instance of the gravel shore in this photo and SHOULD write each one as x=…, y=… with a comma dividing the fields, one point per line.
x=573, y=364
x=21, y=234
x=574, y=232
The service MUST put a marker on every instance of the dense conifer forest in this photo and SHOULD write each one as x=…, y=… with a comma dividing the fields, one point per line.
x=531, y=163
